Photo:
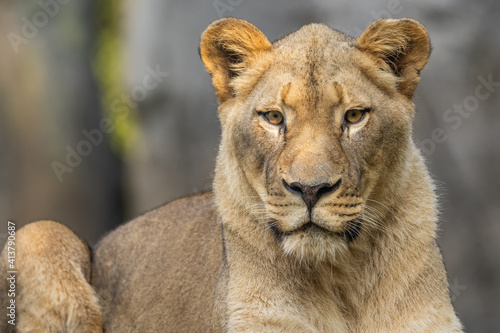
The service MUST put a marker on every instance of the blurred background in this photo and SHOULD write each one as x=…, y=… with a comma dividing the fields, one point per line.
x=106, y=111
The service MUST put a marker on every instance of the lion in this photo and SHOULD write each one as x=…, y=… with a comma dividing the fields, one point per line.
x=322, y=217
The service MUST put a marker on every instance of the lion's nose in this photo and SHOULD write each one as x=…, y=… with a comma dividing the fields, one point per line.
x=311, y=194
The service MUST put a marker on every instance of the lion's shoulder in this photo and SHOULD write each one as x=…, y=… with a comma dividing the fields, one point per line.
x=179, y=242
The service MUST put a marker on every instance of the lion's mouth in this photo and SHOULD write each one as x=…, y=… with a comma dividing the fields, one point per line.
x=309, y=227
x=351, y=232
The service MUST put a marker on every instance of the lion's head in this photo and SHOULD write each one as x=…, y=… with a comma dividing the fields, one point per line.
x=316, y=128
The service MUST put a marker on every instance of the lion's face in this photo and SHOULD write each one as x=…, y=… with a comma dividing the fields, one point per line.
x=316, y=127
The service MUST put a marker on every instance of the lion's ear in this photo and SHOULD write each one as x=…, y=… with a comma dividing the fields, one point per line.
x=228, y=46
x=402, y=46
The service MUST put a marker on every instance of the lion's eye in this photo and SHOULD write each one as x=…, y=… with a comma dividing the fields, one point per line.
x=355, y=115
x=274, y=117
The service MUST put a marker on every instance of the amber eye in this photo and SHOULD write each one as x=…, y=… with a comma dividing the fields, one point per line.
x=355, y=115
x=274, y=117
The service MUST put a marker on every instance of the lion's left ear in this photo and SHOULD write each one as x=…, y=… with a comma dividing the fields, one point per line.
x=228, y=47
x=403, y=47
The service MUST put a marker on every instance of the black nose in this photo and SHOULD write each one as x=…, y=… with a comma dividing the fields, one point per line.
x=311, y=194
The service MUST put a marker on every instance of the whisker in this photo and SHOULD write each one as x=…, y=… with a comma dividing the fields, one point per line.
x=378, y=202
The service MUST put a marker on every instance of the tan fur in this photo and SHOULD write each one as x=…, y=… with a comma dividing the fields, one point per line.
x=362, y=258
x=52, y=281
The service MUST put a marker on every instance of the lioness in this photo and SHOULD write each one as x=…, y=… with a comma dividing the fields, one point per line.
x=322, y=218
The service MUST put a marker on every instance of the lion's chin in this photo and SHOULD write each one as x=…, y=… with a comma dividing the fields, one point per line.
x=311, y=248
x=312, y=243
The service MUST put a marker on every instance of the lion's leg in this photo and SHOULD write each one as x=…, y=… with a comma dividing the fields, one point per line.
x=52, y=290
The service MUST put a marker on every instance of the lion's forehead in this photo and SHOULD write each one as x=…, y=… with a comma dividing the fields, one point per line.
x=316, y=61
x=323, y=65
x=318, y=83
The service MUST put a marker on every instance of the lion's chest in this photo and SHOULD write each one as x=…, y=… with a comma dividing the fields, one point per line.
x=267, y=305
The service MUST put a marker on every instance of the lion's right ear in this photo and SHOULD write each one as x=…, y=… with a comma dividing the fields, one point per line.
x=228, y=47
